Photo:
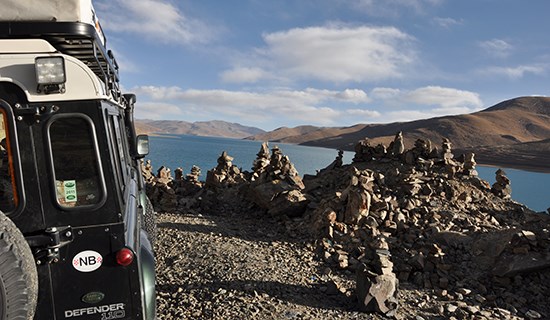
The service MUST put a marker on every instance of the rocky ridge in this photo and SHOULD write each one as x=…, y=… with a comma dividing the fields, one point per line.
x=399, y=233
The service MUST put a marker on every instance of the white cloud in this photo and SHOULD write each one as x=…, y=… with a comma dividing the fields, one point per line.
x=443, y=97
x=385, y=93
x=393, y=8
x=338, y=53
x=515, y=72
x=156, y=20
x=423, y=103
x=243, y=75
x=285, y=107
x=446, y=22
x=156, y=110
x=363, y=113
x=309, y=106
x=353, y=95
x=497, y=48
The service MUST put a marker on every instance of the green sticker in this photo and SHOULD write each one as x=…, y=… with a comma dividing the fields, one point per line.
x=69, y=187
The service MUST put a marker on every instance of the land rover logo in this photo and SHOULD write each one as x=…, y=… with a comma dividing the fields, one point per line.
x=93, y=297
x=87, y=261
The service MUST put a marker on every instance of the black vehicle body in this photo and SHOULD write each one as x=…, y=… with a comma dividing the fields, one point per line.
x=75, y=186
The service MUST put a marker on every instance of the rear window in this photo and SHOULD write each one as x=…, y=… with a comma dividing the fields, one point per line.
x=8, y=187
x=75, y=160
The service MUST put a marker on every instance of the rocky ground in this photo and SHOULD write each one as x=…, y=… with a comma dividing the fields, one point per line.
x=399, y=234
x=244, y=267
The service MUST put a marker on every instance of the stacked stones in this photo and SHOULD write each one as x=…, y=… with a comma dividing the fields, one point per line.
x=358, y=197
x=376, y=283
x=446, y=152
x=262, y=161
x=193, y=176
x=397, y=146
x=470, y=164
x=147, y=171
x=501, y=188
x=364, y=152
x=225, y=174
x=188, y=185
x=280, y=168
x=433, y=220
x=337, y=163
x=276, y=184
x=159, y=187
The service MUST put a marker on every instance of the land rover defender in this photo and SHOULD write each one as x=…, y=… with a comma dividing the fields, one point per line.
x=76, y=228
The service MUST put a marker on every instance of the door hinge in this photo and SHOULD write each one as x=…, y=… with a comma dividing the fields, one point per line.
x=45, y=245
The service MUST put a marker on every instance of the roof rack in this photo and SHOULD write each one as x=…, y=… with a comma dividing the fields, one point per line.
x=76, y=39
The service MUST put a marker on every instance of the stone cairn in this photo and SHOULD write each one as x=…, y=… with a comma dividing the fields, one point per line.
x=225, y=174
x=188, y=185
x=411, y=216
x=502, y=188
x=159, y=187
x=276, y=185
x=261, y=163
x=337, y=163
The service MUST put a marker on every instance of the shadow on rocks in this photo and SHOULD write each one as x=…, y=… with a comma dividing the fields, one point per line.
x=310, y=296
x=249, y=228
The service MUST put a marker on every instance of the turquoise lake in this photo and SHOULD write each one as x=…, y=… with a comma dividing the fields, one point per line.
x=183, y=151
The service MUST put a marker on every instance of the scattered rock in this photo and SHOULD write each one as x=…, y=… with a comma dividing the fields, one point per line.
x=405, y=220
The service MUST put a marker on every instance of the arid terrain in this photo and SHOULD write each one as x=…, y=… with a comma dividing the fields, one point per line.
x=398, y=234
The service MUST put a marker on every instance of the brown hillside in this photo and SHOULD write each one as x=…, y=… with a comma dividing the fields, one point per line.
x=528, y=155
x=523, y=119
x=145, y=128
x=213, y=128
x=305, y=133
x=285, y=133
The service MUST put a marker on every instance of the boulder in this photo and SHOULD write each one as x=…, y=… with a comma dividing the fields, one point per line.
x=377, y=293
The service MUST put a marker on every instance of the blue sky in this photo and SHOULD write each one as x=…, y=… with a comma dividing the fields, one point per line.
x=273, y=63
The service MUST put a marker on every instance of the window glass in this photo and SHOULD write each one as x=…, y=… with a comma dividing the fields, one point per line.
x=8, y=190
x=121, y=145
x=116, y=153
x=76, y=166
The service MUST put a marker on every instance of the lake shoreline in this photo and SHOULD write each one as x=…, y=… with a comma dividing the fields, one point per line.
x=512, y=165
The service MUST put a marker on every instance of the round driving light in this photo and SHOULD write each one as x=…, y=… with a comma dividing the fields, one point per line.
x=124, y=257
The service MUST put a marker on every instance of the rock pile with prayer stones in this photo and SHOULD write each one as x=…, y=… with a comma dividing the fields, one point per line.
x=417, y=219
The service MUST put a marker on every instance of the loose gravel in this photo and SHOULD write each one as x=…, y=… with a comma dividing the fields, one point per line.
x=245, y=267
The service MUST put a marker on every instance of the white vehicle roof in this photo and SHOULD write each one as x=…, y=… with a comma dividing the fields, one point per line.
x=51, y=11
x=65, y=27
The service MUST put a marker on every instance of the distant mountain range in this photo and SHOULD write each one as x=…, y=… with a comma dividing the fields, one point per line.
x=515, y=132
x=214, y=128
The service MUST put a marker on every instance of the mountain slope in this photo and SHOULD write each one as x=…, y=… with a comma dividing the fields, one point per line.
x=523, y=119
x=214, y=128
x=528, y=155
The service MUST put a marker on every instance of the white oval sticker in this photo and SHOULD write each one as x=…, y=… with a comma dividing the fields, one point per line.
x=87, y=261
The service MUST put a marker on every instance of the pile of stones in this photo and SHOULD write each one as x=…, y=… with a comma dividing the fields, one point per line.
x=423, y=218
x=396, y=218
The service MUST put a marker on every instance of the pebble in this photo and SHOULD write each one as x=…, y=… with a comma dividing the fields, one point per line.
x=532, y=314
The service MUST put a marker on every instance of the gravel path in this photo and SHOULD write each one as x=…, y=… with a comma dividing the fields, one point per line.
x=244, y=267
